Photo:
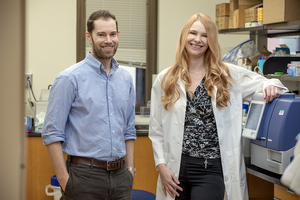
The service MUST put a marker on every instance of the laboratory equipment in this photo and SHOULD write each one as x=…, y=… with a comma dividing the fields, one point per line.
x=272, y=128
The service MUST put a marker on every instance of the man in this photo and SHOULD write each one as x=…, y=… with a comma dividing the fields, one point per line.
x=90, y=117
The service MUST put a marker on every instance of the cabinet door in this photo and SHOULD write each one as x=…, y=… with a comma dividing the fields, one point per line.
x=283, y=193
x=146, y=174
x=255, y=185
x=39, y=170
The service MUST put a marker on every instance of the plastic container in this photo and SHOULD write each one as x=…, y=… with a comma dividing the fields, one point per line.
x=261, y=63
x=55, y=187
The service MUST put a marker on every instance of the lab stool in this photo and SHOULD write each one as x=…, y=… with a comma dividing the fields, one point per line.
x=142, y=195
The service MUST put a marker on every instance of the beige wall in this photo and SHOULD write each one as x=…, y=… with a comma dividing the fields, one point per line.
x=51, y=41
x=172, y=15
x=51, y=35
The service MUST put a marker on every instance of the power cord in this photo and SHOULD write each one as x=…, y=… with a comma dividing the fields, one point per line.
x=30, y=86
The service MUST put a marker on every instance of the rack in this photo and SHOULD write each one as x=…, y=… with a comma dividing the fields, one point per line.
x=260, y=33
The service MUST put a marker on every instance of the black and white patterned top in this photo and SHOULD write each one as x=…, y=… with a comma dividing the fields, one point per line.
x=200, y=137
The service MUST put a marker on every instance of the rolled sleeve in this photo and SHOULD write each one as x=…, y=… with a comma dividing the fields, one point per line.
x=130, y=132
x=59, y=104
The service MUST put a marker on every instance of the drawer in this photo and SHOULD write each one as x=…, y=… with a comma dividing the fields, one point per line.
x=282, y=193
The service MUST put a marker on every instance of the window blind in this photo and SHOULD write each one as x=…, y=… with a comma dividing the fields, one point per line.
x=131, y=16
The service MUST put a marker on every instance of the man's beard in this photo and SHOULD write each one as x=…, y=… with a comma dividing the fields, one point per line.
x=104, y=55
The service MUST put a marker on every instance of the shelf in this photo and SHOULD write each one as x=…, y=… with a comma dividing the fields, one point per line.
x=285, y=29
x=285, y=78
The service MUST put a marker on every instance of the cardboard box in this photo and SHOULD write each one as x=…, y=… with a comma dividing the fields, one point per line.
x=223, y=22
x=217, y=22
x=276, y=11
x=234, y=5
x=251, y=13
x=222, y=9
x=239, y=14
x=218, y=10
x=236, y=17
x=231, y=14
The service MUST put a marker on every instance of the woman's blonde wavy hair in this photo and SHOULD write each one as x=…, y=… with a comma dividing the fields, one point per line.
x=217, y=73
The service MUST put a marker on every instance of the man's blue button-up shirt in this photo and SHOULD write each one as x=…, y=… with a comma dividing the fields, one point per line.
x=90, y=113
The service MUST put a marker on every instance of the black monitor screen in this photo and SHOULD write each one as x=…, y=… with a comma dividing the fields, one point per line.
x=253, y=116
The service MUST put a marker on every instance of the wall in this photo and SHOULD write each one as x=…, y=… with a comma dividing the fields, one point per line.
x=12, y=65
x=51, y=36
x=51, y=41
x=172, y=15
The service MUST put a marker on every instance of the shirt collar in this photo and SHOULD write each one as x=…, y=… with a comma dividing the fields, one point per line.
x=96, y=65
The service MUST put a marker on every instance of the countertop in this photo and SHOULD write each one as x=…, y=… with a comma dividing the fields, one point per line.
x=264, y=174
x=141, y=126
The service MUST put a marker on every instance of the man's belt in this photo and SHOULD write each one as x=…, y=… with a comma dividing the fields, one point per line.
x=108, y=165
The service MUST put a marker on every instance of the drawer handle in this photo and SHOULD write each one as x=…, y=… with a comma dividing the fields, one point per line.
x=290, y=191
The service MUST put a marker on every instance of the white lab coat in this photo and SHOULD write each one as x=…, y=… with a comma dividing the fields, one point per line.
x=166, y=129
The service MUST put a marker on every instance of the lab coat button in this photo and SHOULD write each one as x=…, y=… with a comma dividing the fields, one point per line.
x=226, y=179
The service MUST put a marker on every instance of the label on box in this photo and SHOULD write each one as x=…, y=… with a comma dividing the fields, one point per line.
x=297, y=70
x=291, y=70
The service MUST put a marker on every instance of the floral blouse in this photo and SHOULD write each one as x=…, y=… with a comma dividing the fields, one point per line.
x=200, y=137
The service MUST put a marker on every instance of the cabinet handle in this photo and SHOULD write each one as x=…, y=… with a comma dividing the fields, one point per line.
x=276, y=198
x=290, y=191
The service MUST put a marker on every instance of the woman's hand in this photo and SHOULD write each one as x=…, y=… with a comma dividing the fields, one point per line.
x=271, y=92
x=168, y=180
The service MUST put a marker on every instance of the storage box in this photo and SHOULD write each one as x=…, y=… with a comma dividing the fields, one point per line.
x=251, y=13
x=253, y=24
x=218, y=10
x=217, y=22
x=239, y=15
x=236, y=18
x=231, y=14
x=234, y=5
x=276, y=11
x=222, y=9
x=223, y=23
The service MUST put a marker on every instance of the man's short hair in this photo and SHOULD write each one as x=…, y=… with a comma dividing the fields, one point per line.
x=104, y=14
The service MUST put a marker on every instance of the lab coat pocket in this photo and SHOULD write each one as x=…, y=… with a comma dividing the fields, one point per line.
x=237, y=171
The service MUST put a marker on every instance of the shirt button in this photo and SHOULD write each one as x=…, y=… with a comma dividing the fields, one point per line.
x=109, y=97
x=113, y=131
x=114, y=148
x=107, y=80
x=111, y=114
x=99, y=72
x=226, y=179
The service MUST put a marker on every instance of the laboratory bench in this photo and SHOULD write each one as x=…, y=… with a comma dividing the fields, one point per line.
x=262, y=184
x=40, y=170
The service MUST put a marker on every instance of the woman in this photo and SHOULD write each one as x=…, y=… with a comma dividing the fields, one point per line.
x=196, y=118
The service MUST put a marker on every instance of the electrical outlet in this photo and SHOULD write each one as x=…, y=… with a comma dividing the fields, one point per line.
x=28, y=76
